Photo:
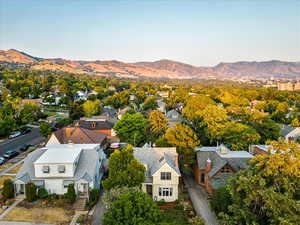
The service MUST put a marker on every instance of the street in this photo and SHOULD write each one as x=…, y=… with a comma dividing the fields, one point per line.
x=33, y=138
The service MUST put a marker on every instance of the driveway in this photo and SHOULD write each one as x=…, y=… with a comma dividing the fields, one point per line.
x=34, y=138
x=98, y=212
x=200, y=202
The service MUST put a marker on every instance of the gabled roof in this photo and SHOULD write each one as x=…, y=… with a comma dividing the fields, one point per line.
x=286, y=129
x=78, y=135
x=155, y=158
x=236, y=159
x=95, y=124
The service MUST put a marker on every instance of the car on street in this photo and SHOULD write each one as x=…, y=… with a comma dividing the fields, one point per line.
x=2, y=160
x=26, y=130
x=14, y=134
x=10, y=154
x=25, y=147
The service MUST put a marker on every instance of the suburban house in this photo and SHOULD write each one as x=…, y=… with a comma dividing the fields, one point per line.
x=162, y=172
x=289, y=133
x=173, y=117
x=97, y=124
x=109, y=113
x=57, y=166
x=161, y=106
x=216, y=164
x=261, y=149
x=77, y=135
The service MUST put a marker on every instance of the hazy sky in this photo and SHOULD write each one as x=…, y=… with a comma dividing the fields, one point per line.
x=196, y=32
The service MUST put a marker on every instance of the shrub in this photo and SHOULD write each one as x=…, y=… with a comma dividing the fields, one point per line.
x=52, y=197
x=8, y=189
x=71, y=195
x=220, y=200
x=93, y=197
x=197, y=221
x=42, y=193
x=30, y=190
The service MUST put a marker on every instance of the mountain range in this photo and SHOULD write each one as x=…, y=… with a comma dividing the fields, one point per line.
x=157, y=69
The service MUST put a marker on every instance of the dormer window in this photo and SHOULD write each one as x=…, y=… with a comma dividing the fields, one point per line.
x=93, y=124
x=61, y=168
x=46, y=169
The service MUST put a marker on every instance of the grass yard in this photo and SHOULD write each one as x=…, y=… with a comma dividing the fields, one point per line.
x=57, y=216
x=3, y=178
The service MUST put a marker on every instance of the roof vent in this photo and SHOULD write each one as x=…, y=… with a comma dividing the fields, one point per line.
x=223, y=149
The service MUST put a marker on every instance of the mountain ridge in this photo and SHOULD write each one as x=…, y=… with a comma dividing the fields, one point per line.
x=163, y=68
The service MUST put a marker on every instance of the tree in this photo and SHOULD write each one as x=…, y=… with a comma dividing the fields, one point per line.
x=267, y=129
x=194, y=104
x=124, y=170
x=42, y=193
x=30, y=113
x=184, y=138
x=8, y=189
x=71, y=194
x=150, y=103
x=133, y=208
x=197, y=221
x=91, y=108
x=268, y=191
x=158, y=122
x=295, y=122
x=45, y=129
x=30, y=192
x=132, y=128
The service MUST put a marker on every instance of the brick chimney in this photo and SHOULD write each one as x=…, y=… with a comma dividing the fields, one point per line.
x=69, y=131
x=208, y=165
x=176, y=160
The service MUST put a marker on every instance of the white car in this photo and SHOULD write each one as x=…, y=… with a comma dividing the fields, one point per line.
x=14, y=135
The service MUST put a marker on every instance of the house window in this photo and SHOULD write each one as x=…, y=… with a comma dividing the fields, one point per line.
x=61, y=169
x=165, y=176
x=46, y=169
x=202, y=178
x=225, y=169
x=93, y=124
x=165, y=192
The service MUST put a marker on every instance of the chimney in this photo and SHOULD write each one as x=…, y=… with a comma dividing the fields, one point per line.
x=68, y=131
x=176, y=161
x=208, y=165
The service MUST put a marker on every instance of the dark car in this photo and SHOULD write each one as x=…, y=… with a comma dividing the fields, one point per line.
x=26, y=130
x=24, y=147
x=10, y=154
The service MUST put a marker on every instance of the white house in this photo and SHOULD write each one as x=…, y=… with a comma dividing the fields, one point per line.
x=289, y=133
x=162, y=172
x=57, y=166
x=161, y=106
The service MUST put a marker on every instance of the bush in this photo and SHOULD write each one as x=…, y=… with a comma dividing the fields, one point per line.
x=197, y=221
x=30, y=190
x=93, y=197
x=220, y=200
x=53, y=197
x=8, y=189
x=71, y=195
x=42, y=193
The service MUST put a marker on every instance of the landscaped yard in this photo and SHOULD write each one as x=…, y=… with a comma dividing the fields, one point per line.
x=3, y=178
x=53, y=215
x=175, y=215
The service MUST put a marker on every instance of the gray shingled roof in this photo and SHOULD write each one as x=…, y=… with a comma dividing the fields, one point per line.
x=155, y=158
x=236, y=159
x=285, y=129
x=85, y=169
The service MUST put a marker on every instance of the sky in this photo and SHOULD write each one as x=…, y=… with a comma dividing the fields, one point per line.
x=201, y=33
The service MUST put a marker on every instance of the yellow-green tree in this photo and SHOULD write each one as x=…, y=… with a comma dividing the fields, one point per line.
x=91, y=108
x=158, y=122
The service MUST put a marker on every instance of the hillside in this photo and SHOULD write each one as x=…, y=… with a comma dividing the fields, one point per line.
x=157, y=69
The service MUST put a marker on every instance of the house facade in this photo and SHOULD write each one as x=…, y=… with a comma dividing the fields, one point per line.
x=173, y=118
x=162, y=172
x=57, y=166
x=289, y=133
x=216, y=164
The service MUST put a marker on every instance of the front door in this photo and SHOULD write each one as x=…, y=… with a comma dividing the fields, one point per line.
x=22, y=188
x=85, y=187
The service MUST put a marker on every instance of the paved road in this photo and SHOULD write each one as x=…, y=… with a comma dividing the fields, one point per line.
x=200, y=202
x=98, y=212
x=34, y=138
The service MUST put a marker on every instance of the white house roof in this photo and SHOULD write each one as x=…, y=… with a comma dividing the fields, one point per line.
x=63, y=153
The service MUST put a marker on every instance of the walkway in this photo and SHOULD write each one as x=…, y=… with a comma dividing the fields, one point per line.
x=200, y=202
x=10, y=208
x=98, y=212
x=74, y=219
x=5, y=171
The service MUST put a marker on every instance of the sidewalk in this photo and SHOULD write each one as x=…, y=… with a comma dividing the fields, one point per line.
x=10, y=208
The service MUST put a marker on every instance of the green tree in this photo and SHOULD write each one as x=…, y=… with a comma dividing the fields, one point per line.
x=71, y=194
x=133, y=208
x=91, y=108
x=150, y=103
x=30, y=113
x=124, y=170
x=268, y=191
x=45, y=129
x=8, y=189
x=267, y=129
x=132, y=128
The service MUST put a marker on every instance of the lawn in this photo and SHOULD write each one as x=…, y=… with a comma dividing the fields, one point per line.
x=53, y=215
x=175, y=216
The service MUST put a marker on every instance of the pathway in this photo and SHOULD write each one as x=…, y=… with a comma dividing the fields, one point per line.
x=10, y=208
x=200, y=202
x=98, y=212
x=74, y=219
x=5, y=171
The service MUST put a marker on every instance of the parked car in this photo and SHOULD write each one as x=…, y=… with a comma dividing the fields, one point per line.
x=14, y=134
x=10, y=154
x=26, y=130
x=2, y=160
x=25, y=147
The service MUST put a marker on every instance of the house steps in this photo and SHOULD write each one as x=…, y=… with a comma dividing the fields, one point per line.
x=80, y=204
